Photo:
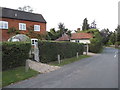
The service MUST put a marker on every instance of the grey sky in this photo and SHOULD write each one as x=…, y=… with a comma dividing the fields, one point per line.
x=72, y=12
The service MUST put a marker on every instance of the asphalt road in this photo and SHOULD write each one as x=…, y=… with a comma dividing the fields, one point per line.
x=100, y=71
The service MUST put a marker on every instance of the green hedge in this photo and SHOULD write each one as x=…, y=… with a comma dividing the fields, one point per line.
x=95, y=46
x=14, y=54
x=49, y=50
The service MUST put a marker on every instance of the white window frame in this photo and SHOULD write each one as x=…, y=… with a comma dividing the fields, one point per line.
x=22, y=26
x=3, y=25
x=36, y=27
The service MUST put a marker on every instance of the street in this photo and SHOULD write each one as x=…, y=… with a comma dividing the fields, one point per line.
x=99, y=71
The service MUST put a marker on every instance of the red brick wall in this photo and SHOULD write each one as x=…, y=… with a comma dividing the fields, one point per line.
x=15, y=23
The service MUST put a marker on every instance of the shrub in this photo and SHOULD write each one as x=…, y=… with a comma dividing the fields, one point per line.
x=96, y=45
x=14, y=54
x=49, y=50
x=117, y=44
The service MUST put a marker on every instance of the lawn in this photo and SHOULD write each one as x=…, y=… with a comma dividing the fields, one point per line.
x=68, y=60
x=15, y=75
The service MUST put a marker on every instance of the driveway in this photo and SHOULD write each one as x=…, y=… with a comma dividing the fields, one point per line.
x=99, y=71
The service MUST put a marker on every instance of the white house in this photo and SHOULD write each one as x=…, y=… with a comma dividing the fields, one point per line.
x=77, y=37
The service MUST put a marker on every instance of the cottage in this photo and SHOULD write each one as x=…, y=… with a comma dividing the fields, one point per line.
x=77, y=37
x=21, y=21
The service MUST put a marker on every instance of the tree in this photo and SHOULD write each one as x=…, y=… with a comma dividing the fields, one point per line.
x=112, y=38
x=93, y=25
x=53, y=34
x=118, y=33
x=96, y=43
x=61, y=27
x=25, y=8
x=105, y=33
x=85, y=24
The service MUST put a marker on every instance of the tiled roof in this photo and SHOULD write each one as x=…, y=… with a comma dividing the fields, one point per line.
x=81, y=36
x=21, y=15
x=75, y=36
x=63, y=38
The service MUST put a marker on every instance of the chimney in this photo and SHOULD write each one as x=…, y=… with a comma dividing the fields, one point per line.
x=78, y=29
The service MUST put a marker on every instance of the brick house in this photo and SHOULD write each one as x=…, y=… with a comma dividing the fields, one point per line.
x=77, y=37
x=21, y=21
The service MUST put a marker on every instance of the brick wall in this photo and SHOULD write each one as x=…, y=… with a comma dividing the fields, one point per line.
x=15, y=23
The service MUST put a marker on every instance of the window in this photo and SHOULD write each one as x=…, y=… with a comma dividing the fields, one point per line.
x=36, y=27
x=22, y=26
x=77, y=41
x=3, y=25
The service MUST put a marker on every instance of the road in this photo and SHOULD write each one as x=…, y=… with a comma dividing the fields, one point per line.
x=100, y=71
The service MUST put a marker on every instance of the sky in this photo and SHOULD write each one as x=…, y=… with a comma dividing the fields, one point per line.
x=71, y=12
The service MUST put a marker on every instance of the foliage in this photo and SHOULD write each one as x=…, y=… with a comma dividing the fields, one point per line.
x=53, y=34
x=93, y=31
x=96, y=43
x=16, y=74
x=109, y=43
x=26, y=8
x=50, y=50
x=47, y=36
x=13, y=31
x=85, y=24
x=61, y=27
x=33, y=34
x=105, y=33
x=118, y=33
x=112, y=38
x=14, y=54
x=93, y=25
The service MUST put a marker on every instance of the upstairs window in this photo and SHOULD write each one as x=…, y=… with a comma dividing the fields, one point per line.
x=22, y=26
x=36, y=27
x=3, y=25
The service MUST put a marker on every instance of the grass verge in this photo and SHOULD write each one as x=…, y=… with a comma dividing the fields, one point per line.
x=68, y=60
x=16, y=74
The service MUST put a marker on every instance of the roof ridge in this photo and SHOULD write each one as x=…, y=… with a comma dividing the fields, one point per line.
x=21, y=15
x=19, y=10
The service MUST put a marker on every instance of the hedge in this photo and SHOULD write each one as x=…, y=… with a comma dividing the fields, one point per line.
x=49, y=50
x=95, y=46
x=14, y=54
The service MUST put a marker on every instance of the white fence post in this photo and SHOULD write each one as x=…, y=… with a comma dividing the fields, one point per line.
x=77, y=54
x=58, y=58
x=36, y=52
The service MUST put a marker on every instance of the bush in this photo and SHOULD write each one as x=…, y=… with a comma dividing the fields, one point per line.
x=14, y=54
x=117, y=44
x=96, y=45
x=49, y=50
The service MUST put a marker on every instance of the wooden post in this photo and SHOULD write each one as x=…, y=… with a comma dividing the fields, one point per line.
x=87, y=49
x=58, y=58
x=26, y=66
x=77, y=54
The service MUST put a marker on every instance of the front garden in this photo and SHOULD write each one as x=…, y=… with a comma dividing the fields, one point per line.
x=17, y=74
x=15, y=54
